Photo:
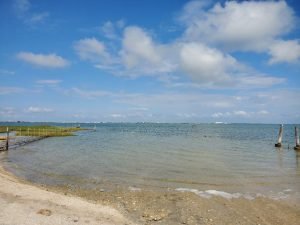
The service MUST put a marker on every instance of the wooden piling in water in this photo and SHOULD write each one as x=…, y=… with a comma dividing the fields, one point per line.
x=278, y=144
x=7, y=139
x=297, y=146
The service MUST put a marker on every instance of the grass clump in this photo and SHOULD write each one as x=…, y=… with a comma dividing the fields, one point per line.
x=41, y=131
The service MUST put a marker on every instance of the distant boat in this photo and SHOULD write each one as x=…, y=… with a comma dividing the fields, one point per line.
x=78, y=126
x=94, y=128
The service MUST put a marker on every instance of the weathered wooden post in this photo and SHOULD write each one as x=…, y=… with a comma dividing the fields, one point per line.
x=7, y=139
x=297, y=146
x=278, y=144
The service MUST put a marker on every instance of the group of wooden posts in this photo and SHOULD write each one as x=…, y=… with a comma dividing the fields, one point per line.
x=5, y=148
x=279, y=142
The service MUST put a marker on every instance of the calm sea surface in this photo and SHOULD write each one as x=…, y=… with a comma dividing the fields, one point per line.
x=225, y=157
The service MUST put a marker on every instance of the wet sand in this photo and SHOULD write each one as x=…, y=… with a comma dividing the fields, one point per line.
x=24, y=203
x=171, y=207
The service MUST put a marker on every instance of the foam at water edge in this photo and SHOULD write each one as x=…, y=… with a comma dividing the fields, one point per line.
x=211, y=193
x=134, y=189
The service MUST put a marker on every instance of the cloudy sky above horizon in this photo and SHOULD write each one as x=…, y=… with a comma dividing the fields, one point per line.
x=136, y=61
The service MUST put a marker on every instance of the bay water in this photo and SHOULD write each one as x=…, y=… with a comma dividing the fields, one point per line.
x=231, y=158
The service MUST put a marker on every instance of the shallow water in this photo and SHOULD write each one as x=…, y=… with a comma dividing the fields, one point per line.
x=197, y=157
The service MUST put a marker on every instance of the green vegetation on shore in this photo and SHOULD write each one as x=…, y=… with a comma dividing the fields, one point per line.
x=41, y=131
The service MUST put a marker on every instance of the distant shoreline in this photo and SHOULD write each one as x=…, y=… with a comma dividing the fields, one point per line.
x=141, y=122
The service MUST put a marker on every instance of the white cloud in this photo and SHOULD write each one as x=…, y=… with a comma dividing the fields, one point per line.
x=140, y=54
x=23, y=10
x=240, y=113
x=10, y=90
x=43, y=60
x=111, y=30
x=21, y=6
x=91, y=94
x=217, y=115
x=263, y=112
x=138, y=45
x=209, y=66
x=117, y=115
x=108, y=29
x=236, y=113
x=33, y=109
x=6, y=72
x=285, y=51
x=37, y=18
x=196, y=60
x=7, y=111
x=187, y=115
x=249, y=105
x=205, y=64
x=91, y=49
x=48, y=82
x=259, y=81
x=246, y=25
x=220, y=114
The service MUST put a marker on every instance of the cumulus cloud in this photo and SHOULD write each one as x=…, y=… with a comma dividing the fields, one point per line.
x=245, y=25
x=199, y=58
x=91, y=49
x=33, y=109
x=206, y=64
x=43, y=60
x=141, y=54
x=138, y=45
x=285, y=51
x=210, y=66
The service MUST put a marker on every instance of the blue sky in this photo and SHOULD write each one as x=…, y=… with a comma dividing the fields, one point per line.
x=150, y=61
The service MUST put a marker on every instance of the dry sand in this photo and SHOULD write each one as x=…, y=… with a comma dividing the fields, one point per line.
x=22, y=204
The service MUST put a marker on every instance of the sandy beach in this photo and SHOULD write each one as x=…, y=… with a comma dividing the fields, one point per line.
x=23, y=203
